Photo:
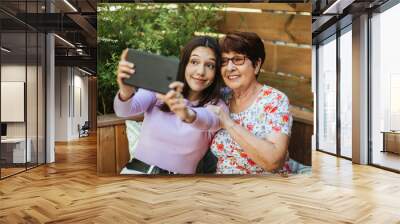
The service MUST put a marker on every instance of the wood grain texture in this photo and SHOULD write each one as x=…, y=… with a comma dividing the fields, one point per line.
x=112, y=119
x=286, y=32
x=270, y=26
x=69, y=191
x=302, y=115
x=121, y=147
x=300, y=142
x=392, y=142
x=287, y=59
x=290, y=7
x=7, y=171
x=106, y=150
x=297, y=90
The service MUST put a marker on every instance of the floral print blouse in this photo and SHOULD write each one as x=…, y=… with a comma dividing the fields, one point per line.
x=269, y=112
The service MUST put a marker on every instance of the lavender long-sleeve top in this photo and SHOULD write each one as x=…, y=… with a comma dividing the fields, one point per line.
x=166, y=141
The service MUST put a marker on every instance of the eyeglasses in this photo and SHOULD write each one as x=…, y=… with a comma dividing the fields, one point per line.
x=236, y=60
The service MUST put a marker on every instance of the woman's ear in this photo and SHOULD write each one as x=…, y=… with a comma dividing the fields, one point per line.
x=257, y=67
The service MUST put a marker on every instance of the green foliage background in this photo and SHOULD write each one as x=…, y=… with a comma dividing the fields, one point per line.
x=156, y=28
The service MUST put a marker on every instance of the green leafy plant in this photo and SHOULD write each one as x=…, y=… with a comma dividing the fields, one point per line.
x=156, y=28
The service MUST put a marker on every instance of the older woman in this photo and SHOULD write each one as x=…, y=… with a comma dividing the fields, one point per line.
x=256, y=133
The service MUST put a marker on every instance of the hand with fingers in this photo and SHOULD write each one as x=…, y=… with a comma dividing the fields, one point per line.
x=125, y=70
x=222, y=115
x=176, y=102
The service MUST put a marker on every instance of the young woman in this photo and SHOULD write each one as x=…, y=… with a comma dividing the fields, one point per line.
x=177, y=128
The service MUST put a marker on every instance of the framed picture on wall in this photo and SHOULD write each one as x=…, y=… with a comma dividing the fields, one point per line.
x=12, y=101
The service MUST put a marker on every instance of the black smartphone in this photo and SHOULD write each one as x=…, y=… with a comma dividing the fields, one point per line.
x=152, y=72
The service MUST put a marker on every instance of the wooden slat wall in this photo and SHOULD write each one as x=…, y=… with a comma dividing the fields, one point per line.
x=286, y=32
x=271, y=26
x=298, y=90
x=290, y=7
x=287, y=59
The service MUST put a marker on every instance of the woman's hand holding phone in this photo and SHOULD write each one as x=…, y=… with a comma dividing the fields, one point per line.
x=125, y=70
x=176, y=103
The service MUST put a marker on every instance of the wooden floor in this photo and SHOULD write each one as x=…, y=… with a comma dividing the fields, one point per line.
x=10, y=171
x=69, y=191
x=387, y=159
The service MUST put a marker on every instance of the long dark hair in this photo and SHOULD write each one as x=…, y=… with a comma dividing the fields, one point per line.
x=212, y=93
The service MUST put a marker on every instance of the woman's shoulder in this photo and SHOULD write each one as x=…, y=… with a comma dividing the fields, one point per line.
x=269, y=94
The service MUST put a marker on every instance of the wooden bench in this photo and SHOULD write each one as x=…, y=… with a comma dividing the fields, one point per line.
x=113, y=152
x=112, y=144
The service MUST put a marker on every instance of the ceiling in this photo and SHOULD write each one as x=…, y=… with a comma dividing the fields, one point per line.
x=331, y=15
x=74, y=21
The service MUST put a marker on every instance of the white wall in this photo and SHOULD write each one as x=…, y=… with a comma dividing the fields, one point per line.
x=12, y=101
x=80, y=110
x=71, y=93
x=61, y=103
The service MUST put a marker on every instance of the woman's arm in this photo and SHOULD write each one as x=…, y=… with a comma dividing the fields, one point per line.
x=268, y=152
x=206, y=120
x=201, y=118
x=128, y=102
x=139, y=103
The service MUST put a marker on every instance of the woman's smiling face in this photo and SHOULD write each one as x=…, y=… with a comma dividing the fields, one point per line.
x=200, y=70
x=238, y=75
